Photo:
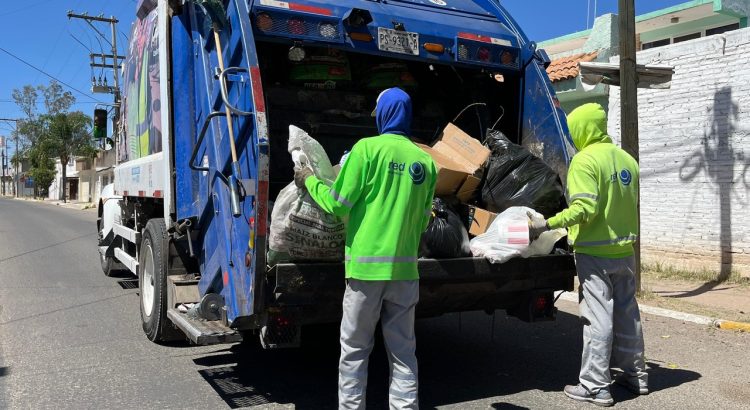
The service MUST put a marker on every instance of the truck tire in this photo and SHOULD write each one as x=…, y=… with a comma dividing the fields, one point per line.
x=152, y=272
x=107, y=263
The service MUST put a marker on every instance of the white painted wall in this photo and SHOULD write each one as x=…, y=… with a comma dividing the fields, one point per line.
x=695, y=155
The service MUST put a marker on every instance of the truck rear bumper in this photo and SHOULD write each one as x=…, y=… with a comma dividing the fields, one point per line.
x=312, y=292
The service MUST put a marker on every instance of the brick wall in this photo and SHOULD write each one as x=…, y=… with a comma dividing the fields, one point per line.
x=695, y=155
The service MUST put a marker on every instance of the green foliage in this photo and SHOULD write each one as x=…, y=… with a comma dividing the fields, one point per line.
x=68, y=135
x=55, y=133
x=25, y=99
x=17, y=158
x=56, y=100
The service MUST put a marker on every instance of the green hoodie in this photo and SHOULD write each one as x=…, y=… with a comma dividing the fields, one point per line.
x=602, y=218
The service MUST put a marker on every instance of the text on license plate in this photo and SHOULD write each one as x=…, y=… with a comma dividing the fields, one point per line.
x=398, y=41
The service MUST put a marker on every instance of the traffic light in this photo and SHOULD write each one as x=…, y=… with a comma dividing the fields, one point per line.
x=100, y=123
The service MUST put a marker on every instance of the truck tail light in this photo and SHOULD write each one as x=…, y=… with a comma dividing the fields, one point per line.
x=264, y=22
x=483, y=54
x=328, y=30
x=463, y=52
x=296, y=26
x=507, y=58
x=540, y=303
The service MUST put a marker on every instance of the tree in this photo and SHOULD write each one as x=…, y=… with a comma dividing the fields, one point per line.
x=56, y=100
x=17, y=159
x=66, y=136
x=26, y=99
x=56, y=133
x=42, y=166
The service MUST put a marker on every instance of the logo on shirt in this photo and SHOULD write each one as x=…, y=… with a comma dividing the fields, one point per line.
x=626, y=177
x=416, y=172
x=396, y=168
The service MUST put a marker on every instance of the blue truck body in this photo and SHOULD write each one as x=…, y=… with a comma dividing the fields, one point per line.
x=228, y=246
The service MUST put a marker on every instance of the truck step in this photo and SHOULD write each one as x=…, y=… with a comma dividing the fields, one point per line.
x=126, y=260
x=128, y=234
x=203, y=332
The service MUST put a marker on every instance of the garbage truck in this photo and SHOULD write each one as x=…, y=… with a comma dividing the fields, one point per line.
x=209, y=90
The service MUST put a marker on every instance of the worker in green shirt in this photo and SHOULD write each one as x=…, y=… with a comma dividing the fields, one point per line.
x=386, y=185
x=602, y=222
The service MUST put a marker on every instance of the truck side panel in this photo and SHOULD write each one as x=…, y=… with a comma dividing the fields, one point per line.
x=225, y=240
x=185, y=128
x=544, y=130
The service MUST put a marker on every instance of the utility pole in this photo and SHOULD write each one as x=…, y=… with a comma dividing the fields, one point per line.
x=15, y=175
x=115, y=65
x=629, y=102
x=15, y=136
x=4, y=153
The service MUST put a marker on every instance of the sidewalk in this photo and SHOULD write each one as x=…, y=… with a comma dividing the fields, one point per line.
x=69, y=204
x=728, y=301
x=691, y=297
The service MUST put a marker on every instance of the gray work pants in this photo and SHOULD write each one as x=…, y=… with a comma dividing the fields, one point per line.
x=612, y=332
x=393, y=303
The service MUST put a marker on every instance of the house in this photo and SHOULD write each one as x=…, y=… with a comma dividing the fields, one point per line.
x=683, y=22
x=85, y=177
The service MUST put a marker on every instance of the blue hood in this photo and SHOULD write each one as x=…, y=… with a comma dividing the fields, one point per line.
x=393, y=112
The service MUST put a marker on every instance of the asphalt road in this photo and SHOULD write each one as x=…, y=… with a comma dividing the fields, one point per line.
x=71, y=338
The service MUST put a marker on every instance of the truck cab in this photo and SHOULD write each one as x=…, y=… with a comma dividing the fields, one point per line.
x=211, y=88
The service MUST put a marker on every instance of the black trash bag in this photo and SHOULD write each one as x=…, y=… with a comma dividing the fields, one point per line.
x=515, y=177
x=446, y=235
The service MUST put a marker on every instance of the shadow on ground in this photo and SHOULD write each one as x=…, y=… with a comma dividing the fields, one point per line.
x=461, y=359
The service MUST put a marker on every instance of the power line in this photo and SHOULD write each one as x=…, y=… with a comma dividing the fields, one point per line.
x=47, y=74
x=79, y=42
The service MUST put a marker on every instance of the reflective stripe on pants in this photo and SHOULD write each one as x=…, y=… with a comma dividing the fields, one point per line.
x=611, y=321
x=365, y=302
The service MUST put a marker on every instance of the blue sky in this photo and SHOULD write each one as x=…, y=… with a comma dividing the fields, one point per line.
x=39, y=32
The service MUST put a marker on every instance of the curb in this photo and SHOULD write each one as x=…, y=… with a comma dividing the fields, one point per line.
x=673, y=314
x=79, y=206
x=730, y=325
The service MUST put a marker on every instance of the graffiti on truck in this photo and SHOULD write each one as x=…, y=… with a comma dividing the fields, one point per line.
x=141, y=103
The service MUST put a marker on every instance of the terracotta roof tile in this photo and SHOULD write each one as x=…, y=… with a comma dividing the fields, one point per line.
x=567, y=67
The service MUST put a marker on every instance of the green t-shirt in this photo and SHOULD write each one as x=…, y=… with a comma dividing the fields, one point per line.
x=386, y=187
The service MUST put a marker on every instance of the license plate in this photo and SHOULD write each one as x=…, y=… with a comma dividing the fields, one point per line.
x=396, y=41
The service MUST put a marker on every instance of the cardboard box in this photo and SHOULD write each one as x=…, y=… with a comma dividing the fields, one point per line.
x=450, y=175
x=479, y=220
x=463, y=148
x=466, y=191
x=459, y=159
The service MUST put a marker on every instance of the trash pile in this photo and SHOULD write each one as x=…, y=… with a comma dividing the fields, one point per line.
x=491, y=187
x=484, y=192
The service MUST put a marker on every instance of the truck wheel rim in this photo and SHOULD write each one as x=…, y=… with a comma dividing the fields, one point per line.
x=147, y=295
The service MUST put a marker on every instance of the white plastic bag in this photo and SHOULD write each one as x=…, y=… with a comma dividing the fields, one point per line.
x=508, y=237
x=306, y=152
x=298, y=226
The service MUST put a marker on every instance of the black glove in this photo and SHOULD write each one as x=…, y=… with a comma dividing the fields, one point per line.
x=536, y=227
x=301, y=175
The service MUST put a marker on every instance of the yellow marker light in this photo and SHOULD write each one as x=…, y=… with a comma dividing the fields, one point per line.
x=434, y=47
x=366, y=37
